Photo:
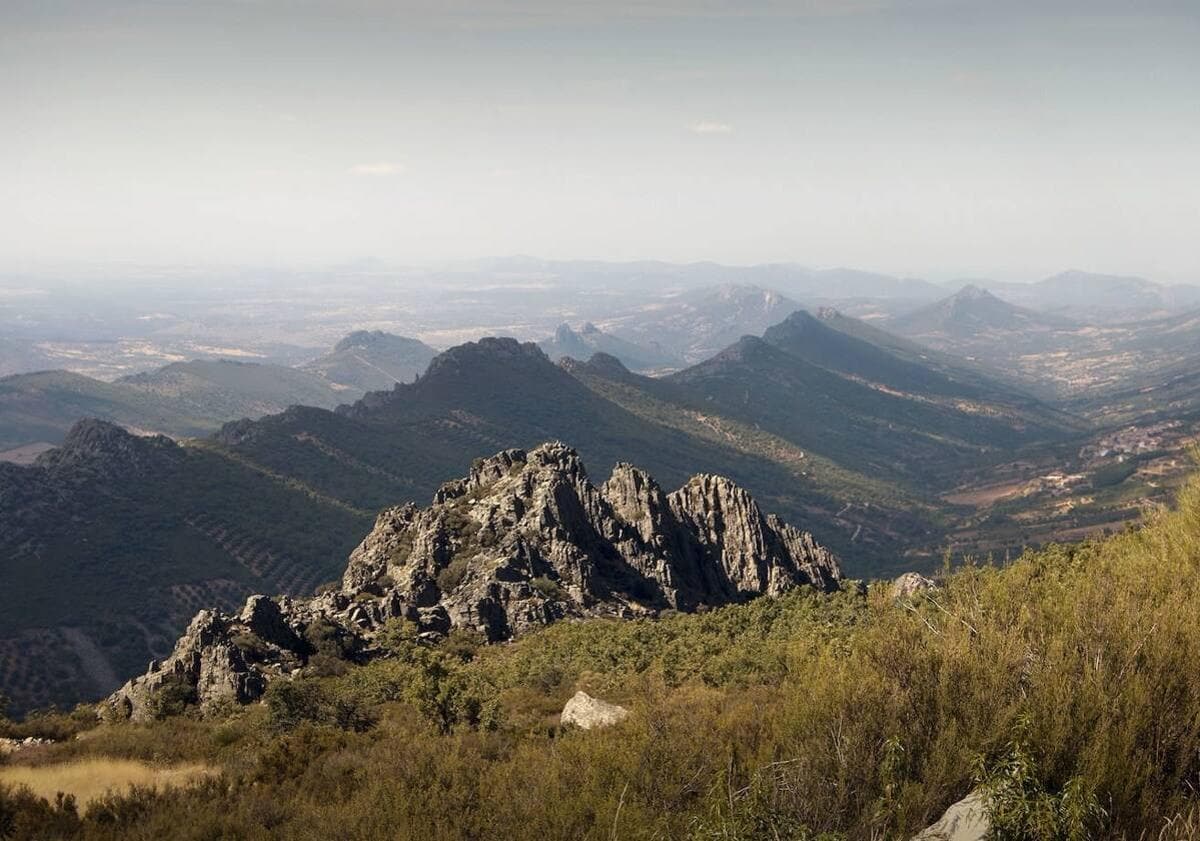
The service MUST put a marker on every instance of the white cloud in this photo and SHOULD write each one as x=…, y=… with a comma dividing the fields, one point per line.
x=382, y=168
x=710, y=127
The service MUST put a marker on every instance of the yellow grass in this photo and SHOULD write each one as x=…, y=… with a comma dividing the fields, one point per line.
x=90, y=779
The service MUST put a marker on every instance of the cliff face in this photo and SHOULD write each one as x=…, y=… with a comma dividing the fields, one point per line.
x=526, y=539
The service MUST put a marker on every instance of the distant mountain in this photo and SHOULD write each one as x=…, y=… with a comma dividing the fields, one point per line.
x=857, y=350
x=18, y=356
x=968, y=312
x=1092, y=297
x=844, y=283
x=589, y=339
x=861, y=407
x=372, y=361
x=696, y=324
x=181, y=399
x=791, y=279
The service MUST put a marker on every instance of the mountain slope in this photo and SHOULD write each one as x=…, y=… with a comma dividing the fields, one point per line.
x=372, y=361
x=115, y=540
x=864, y=425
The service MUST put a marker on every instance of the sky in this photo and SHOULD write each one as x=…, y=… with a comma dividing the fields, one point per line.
x=932, y=138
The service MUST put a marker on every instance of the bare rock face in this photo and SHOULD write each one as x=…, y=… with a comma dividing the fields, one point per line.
x=587, y=712
x=525, y=540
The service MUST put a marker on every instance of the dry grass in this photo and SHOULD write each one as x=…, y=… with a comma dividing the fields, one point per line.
x=91, y=779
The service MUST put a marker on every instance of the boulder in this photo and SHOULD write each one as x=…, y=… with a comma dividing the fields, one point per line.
x=587, y=712
x=965, y=820
x=911, y=583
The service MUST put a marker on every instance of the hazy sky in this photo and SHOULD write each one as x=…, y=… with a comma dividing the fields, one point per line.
x=940, y=138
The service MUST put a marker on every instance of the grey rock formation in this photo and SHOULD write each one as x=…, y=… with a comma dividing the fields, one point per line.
x=525, y=540
x=911, y=583
x=587, y=712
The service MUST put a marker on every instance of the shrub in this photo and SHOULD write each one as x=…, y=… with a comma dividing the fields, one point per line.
x=548, y=588
x=452, y=574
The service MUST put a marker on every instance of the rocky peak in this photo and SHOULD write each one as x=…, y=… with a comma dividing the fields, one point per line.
x=486, y=351
x=363, y=339
x=600, y=364
x=563, y=334
x=524, y=540
x=971, y=292
x=98, y=444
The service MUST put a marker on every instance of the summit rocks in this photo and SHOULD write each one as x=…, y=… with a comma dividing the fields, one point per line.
x=525, y=540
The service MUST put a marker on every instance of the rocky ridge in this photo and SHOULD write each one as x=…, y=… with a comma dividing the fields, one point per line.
x=525, y=540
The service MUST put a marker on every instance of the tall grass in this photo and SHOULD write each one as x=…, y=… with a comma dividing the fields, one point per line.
x=89, y=780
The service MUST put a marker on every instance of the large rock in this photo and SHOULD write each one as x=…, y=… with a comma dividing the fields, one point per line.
x=910, y=583
x=525, y=540
x=966, y=820
x=587, y=712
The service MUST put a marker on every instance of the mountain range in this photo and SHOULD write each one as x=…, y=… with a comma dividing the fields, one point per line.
x=850, y=439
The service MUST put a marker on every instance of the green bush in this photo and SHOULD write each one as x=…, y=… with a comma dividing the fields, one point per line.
x=547, y=587
x=452, y=574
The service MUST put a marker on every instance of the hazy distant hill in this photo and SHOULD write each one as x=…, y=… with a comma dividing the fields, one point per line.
x=970, y=312
x=226, y=389
x=589, y=339
x=696, y=324
x=181, y=399
x=18, y=356
x=1087, y=296
x=372, y=361
x=196, y=397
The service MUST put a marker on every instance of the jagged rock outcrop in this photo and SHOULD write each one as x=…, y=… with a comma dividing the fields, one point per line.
x=586, y=712
x=525, y=540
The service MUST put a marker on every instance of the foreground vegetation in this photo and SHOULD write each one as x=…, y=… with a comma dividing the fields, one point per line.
x=1065, y=685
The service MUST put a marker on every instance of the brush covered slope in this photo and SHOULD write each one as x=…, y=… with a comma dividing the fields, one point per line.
x=111, y=542
x=522, y=542
x=1061, y=687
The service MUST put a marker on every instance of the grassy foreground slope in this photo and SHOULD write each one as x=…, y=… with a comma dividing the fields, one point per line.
x=1065, y=684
